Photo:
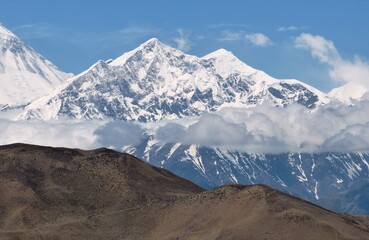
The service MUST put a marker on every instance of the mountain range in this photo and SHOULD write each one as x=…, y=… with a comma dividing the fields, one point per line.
x=156, y=82
x=322, y=178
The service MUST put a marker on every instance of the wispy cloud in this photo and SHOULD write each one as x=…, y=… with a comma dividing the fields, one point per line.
x=258, y=39
x=38, y=30
x=120, y=37
x=287, y=28
x=230, y=36
x=182, y=41
x=341, y=70
x=101, y=40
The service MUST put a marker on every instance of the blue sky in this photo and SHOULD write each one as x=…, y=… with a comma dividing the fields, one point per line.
x=264, y=34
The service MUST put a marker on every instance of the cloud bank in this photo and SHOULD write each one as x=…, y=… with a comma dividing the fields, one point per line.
x=262, y=129
x=69, y=133
x=267, y=129
x=61, y=134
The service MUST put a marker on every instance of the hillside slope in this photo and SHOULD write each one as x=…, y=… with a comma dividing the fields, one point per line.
x=58, y=193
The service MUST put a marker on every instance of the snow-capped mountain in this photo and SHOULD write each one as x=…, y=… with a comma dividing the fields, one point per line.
x=155, y=81
x=328, y=179
x=24, y=74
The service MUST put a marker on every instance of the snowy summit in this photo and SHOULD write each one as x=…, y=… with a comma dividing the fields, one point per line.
x=24, y=74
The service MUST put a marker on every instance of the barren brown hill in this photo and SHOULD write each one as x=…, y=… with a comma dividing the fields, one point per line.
x=59, y=193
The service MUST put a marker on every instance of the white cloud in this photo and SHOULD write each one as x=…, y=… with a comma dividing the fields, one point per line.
x=258, y=39
x=117, y=134
x=267, y=129
x=209, y=130
x=73, y=134
x=354, y=71
x=287, y=28
x=354, y=136
x=347, y=71
x=320, y=48
x=182, y=41
x=66, y=134
x=261, y=129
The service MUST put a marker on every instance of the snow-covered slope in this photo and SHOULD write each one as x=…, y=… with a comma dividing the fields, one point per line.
x=323, y=178
x=348, y=92
x=155, y=81
x=24, y=74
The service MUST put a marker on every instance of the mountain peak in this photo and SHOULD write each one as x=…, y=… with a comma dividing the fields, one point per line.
x=6, y=34
x=220, y=53
x=5, y=31
x=226, y=62
x=151, y=41
x=151, y=45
